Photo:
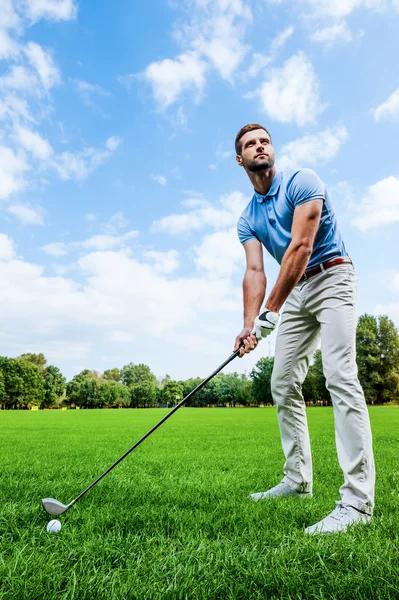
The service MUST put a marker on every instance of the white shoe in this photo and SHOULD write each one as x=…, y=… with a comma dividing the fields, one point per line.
x=342, y=517
x=282, y=490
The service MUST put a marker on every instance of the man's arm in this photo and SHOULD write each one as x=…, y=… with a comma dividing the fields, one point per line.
x=254, y=288
x=304, y=229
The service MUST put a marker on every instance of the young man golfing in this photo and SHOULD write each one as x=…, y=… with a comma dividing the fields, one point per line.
x=291, y=215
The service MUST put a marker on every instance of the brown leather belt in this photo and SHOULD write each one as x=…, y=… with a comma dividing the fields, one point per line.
x=340, y=260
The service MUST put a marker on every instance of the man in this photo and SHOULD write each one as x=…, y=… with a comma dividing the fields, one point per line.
x=291, y=215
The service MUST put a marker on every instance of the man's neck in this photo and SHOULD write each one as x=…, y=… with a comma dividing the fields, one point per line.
x=262, y=180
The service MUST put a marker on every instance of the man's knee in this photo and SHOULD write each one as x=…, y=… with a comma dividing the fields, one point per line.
x=283, y=387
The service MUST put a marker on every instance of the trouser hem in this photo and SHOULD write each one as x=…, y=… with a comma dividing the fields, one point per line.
x=303, y=488
x=358, y=504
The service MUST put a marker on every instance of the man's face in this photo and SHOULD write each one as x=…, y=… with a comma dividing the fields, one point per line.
x=257, y=153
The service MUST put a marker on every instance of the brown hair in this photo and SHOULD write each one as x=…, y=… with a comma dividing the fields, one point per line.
x=244, y=130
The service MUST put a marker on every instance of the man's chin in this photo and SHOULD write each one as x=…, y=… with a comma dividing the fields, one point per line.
x=256, y=167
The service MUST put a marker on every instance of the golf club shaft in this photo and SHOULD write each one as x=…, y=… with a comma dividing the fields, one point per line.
x=169, y=414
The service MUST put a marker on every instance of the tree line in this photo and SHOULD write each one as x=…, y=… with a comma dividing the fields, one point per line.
x=27, y=381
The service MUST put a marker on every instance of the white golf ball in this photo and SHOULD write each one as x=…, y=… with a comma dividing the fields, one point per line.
x=54, y=526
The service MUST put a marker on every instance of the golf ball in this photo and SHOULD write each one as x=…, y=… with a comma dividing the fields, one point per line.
x=54, y=526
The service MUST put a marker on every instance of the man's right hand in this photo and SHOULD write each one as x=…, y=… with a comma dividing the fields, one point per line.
x=248, y=339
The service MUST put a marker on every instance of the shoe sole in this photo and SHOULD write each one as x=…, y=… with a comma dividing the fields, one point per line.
x=299, y=496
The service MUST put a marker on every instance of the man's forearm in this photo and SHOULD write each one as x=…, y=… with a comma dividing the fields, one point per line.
x=292, y=268
x=254, y=286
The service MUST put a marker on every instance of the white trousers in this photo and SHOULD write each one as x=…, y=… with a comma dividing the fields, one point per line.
x=324, y=305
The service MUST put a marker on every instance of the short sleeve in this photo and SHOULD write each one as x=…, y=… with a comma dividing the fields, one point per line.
x=245, y=233
x=305, y=185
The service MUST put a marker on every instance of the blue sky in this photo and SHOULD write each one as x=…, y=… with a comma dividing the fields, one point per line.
x=119, y=191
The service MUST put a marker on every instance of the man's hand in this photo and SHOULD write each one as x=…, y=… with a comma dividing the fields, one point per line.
x=248, y=339
x=265, y=323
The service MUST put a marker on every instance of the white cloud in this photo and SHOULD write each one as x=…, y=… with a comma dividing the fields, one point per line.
x=113, y=142
x=43, y=63
x=219, y=254
x=395, y=282
x=8, y=17
x=163, y=262
x=8, y=47
x=7, y=251
x=55, y=249
x=170, y=78
x=20, y=79
x=121, y=336
x=341, y=8
x=380, y=206
x=79, y=165
x=116, y=222
x=104, y=242
x=206, y=216
x=312, y=149
x=160, y=179
x=12, y=168
x=291, y=93
x=213, y=36
x=15, y=108
x=260, y=61
x=338, y=31
x=388, y=109
x=26, y=214
x=56, y=10
x=33, y=142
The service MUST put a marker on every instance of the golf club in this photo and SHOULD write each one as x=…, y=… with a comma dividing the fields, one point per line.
x=54, y=507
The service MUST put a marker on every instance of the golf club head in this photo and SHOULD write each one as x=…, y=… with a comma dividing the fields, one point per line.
x=53, y=507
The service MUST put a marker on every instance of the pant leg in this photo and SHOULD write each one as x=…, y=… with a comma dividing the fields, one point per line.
x=297, y=338
x=334, y=294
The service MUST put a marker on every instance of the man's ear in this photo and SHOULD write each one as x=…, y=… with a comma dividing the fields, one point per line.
x=239, y=160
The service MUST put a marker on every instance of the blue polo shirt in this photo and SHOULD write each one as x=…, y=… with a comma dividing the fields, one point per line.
x=269, y=218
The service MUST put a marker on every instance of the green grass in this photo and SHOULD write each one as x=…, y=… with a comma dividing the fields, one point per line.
x=174, y=520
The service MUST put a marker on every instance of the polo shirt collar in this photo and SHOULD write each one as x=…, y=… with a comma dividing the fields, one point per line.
x=274, y=188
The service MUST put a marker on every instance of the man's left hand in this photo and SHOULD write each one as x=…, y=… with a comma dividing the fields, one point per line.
x=265, y=323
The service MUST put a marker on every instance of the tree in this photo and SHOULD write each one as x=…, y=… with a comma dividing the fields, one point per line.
x=2, y=388
x=143, y=394
x=171, y=393
x=111, y=394
x=321, y=392
x=231, y=389
x=377, y=346
x=112, y=374
x=132, y=374
x=261, y=377
x=81, y=390
x=23, y=383
x=37, y=359
x=54, y=386
x=368, y=356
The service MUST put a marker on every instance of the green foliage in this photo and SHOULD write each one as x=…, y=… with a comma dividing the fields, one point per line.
x=23, y=383
x=261, y=376
x=377, y=345
x=232, y=389
x=54, y=386
x=314, y=387
x=144, y=395
x=132, y=374
x=111, y=394
x=171, y=393
x=112, y=374
x=37, y=359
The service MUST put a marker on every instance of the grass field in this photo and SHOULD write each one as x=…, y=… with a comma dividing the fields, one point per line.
x=174, y=520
